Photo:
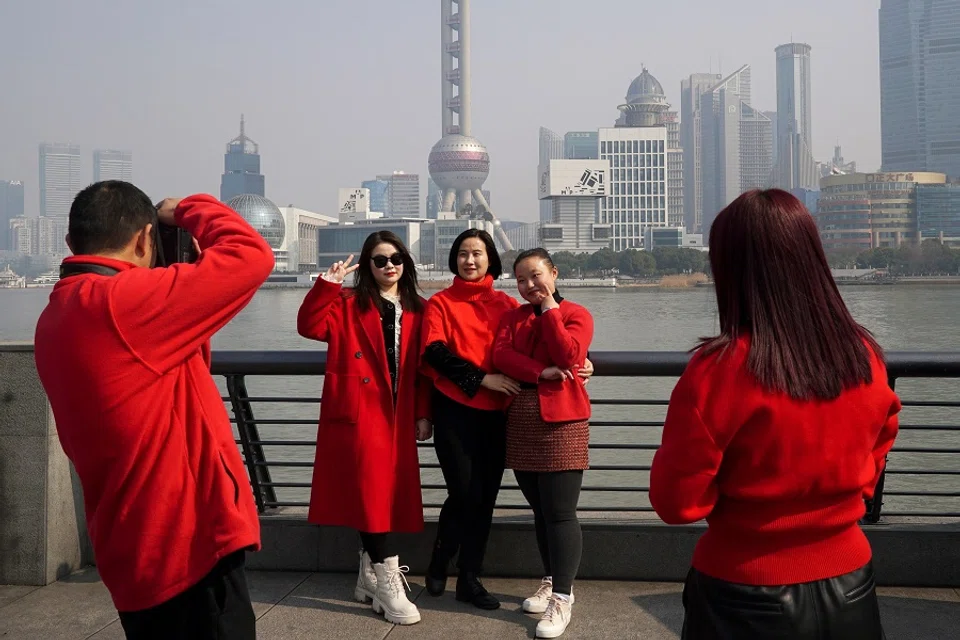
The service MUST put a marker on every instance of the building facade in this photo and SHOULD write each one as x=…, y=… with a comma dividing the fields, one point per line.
x=573, y=188
x=60, y=180
x=919, y=92
x=42, y=236
x=241, y=168
x=299, y=246
x=938, y=213
x=525, y=236
x=736, y=148
x=337, y=241
x=551, y=148
x=11, y=206
x=637, y=190
x=675, y=208
x=110, y=164
x=403, y=194
x=378, y=194
x=672, y=237
x=796, y=167
x=864, y=211
x=691, y=122
x=581, y=145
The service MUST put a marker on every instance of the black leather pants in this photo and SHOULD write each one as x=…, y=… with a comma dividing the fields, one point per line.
x=841, y=608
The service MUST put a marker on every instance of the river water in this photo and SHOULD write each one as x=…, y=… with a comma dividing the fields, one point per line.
x=903, y=318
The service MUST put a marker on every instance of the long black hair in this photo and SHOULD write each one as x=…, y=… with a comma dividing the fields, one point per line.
x=366, y=288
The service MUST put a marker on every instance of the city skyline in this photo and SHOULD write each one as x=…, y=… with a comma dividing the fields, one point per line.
x=317, y=143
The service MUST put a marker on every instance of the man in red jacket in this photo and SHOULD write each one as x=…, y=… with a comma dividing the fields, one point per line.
x=123, y=352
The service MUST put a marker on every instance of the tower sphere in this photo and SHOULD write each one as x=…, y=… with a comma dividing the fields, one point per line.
x=459, y=162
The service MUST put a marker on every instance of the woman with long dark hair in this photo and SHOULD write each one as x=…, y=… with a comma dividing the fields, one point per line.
x=469, y=402
x=375, y=406
x=776, y=432
x=543, y=344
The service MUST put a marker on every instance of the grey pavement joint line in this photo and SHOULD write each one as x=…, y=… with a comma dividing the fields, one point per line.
x=109, y=624
x=19, y=598
x=285, y=596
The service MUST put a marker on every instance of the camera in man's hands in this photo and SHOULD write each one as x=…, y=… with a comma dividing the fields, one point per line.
x=175, y=245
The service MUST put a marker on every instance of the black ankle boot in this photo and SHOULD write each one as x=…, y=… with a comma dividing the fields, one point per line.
x=470, y=589
x=437, y=572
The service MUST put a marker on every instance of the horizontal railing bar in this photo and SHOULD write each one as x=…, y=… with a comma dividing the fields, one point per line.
x=930, y=403
x=929, y=427
x=665, y=364
x=619, y=402
x=920, y=472
x=923, y=494
x=925, y=450
x=282, y=399
x=921, y=514
x=281, y=421
x=285, y=443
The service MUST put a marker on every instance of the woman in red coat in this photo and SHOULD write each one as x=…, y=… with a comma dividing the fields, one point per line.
x=776, y=432
x=375, y=407
x=542, y=345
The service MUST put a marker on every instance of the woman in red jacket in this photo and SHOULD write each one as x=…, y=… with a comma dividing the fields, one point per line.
x=543, y=344
x=776, y=432
x=375, y=407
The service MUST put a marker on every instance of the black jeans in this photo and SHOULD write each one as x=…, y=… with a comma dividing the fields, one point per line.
x=841, y=608
x=471, y=446
x=216, y=608
x=553, y=498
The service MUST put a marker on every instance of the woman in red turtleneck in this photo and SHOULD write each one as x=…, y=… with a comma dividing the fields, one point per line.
x=776, y=432
x=469, y=403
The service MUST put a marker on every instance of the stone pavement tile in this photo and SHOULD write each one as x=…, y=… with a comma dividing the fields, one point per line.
x=267, y=588
x=604, y=610
x=113, y=632
x=916, y=619
x=323, y=607
x=941, y=595
x=11, y=593
x=74, y=608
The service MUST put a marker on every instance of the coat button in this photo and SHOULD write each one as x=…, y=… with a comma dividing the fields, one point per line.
x=358, y=355
x=389, y=305
x=390, y=350
x=366, y=381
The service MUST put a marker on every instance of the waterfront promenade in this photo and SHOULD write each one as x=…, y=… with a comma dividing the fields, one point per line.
x=295, y=605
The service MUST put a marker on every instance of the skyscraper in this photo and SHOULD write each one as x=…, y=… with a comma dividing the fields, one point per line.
x=691, y=122
x=919, y=92
x=551, y=148
x=241, y=168
x=675, y=213
x=403, y=194
x=11, y=206
x=378, y=194
x=736, y=144
x=109, y=164
x=796, y=167
x=59, y=179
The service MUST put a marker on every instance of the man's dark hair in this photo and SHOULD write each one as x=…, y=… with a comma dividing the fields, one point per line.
x=495, y=266
x=105, y=216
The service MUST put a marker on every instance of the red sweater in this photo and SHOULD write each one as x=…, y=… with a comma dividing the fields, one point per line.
x=528, y=343
x=781, y=482
x=125, y=363
x=465, y=317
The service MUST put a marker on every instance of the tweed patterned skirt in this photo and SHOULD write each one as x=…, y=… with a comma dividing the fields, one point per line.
x=535, y=445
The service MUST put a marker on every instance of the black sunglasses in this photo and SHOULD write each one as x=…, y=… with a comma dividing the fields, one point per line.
x=381, y=261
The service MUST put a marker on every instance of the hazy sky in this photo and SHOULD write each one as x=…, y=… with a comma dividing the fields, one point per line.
x=336, y=91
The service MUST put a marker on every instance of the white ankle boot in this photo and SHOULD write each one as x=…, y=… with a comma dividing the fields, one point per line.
x=391, y=596
x=366, y=580
x=556, y=618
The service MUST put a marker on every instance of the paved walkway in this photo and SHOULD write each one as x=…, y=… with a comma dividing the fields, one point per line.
x=317, y=606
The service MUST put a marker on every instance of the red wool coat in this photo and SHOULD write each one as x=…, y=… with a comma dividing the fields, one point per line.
x=366, y=473
x=527, y=344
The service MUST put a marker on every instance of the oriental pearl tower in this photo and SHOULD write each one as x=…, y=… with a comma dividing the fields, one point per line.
x=459, y=163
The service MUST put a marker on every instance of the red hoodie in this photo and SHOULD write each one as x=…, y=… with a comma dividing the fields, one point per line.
x=780, y=481
x=125, y=364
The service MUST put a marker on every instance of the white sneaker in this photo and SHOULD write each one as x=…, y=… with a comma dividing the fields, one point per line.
x=556, y=618
x=366, y=580
x=391, y=596
x=537, y=603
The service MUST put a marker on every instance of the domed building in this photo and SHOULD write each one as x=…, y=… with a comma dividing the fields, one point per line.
x=263, y=215
x=646, y=103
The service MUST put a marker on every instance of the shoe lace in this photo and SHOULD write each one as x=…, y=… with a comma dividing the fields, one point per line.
x=554, y=610
x=397, y=580
x=545, y=590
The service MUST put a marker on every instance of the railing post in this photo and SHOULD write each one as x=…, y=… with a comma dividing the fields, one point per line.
x=263, y=492
x=875, y=506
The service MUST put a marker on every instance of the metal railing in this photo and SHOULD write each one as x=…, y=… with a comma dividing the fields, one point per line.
x=236, y=366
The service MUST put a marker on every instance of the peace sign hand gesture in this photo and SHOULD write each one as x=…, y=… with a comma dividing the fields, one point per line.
x=338, y=271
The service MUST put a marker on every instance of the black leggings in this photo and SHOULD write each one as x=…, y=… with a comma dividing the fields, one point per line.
x=377, y=546
x=471, y=447
x=554, y=498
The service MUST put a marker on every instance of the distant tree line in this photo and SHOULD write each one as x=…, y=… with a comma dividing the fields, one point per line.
x=631, y=262
x=929, y=259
